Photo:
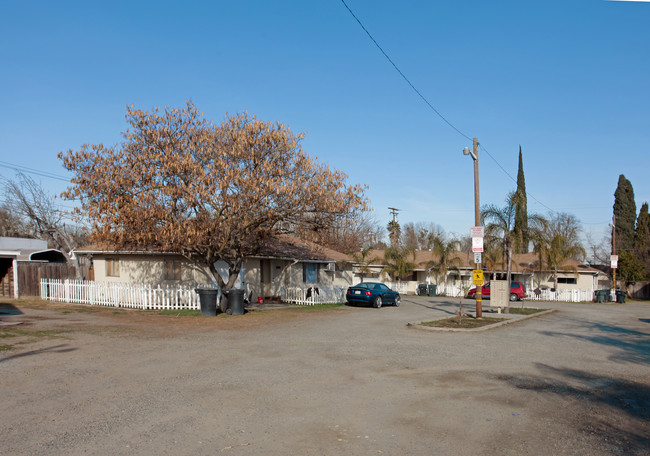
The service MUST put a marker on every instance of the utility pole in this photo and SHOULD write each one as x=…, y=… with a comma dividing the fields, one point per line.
x=394, y=211
x=477, y=222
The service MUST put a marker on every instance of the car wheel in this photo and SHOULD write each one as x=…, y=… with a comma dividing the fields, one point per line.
x=377, y=302
x=513, y=297
x=398, y=301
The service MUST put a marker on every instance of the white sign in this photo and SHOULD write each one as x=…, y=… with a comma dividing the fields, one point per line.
x=614, y=261
x=477, y=231
x=477, y=244
x=477, y=257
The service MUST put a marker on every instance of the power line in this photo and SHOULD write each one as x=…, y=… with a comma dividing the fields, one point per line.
x=430, y=105
x=404, y=76
x=28, y=170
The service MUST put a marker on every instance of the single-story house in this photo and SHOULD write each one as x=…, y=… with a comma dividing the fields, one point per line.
x=525, y=269
x=284, y=262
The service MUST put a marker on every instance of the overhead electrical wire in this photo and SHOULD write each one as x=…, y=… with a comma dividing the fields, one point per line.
x=426, y=101
x=37, y=172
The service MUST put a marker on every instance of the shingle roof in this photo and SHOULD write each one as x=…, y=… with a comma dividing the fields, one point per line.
x=278, y=246
x=521, y=263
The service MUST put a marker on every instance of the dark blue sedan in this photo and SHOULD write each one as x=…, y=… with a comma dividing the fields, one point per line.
x=373, y=293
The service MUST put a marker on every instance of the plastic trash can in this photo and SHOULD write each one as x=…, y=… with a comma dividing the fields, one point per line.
x=620, y=297
x=235, y=302
x=422, y=289
x=432, y=290
x=208, y=300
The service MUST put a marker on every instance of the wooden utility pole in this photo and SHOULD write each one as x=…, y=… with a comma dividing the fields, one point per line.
x=394, y=211
x=477, y=222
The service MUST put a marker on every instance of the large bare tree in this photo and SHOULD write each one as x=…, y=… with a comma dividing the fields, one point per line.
x=179, y=183
x=41, y=215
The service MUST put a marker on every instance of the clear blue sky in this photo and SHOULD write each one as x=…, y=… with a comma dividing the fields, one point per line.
x=569, y=81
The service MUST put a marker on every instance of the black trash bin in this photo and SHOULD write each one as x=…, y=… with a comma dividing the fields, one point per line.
x=235, y=302
x=620, y=297
x=208, y=300
x=422, y=289
x=432, y=290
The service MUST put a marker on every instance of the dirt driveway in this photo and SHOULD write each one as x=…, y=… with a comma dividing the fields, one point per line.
x=342, y=381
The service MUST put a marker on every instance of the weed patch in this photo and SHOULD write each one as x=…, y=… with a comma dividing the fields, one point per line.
x=525, y=310
x=465, y=323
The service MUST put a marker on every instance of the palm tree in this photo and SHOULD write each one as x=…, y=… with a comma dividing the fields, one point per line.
x=397, y=262
x=499, y=225
x=557, y=240
x=363, y=260
x=557, y=250
x=492, y=257
x=446, y=260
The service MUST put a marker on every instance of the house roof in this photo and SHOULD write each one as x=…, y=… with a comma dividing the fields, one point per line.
x=521, y=263
x=281, y=246
x=288, y=246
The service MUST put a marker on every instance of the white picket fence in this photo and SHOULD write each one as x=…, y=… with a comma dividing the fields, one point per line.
x=133, y=296
x=562, y=295
x=310, y=296
x=455, y=290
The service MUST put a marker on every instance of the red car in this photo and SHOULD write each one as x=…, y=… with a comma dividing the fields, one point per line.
x=517, y=291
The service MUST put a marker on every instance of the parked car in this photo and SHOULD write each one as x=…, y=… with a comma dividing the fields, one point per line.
x=373, y=293
x=517, y=291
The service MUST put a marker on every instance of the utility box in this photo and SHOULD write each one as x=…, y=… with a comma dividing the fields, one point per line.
x=499, y=293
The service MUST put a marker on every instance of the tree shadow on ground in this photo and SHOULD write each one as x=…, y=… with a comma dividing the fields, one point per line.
x=616, y=410
x=442, y=306
x=52, y=349
x=9, y=309
x=634, y=346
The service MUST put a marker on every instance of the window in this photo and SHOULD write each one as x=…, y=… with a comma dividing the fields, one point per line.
x=568, y=280
x=173, y=270
x=310, y=272
x=112, y=267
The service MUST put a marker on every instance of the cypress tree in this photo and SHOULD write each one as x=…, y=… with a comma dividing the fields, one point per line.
x=521, y=238
x=642, y=237
x=625, y=213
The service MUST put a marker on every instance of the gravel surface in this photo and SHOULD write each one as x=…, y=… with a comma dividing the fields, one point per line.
x=342, y=381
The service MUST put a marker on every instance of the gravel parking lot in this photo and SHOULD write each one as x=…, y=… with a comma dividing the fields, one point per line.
x=347, y=380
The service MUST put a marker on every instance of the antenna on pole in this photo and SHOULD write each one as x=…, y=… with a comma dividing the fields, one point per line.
x=394, y=211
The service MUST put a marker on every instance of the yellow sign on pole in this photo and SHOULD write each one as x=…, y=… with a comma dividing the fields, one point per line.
x=477, y=276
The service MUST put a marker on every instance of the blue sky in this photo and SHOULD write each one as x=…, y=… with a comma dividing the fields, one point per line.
x=566, y=80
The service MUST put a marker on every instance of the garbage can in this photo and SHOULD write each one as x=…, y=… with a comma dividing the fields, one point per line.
x=620, y=297
x=208, y=300
x=235, y=302
x=601, y=295
x=422, y=289
x=432, y=290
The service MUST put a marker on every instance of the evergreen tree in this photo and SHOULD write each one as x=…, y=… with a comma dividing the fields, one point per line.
x=625, y=213
x=642, y=237
x=521, y=238
x=394, y=233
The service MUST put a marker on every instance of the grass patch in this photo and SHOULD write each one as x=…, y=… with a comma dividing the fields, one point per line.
x=5, y=347
x=465, y=323
x=49, y=333
x=80, y=310
x=525, y=310
x=181, y=312
x=322, y=306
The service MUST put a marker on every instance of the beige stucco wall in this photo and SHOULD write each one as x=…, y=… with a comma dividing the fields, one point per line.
x=149, y=269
